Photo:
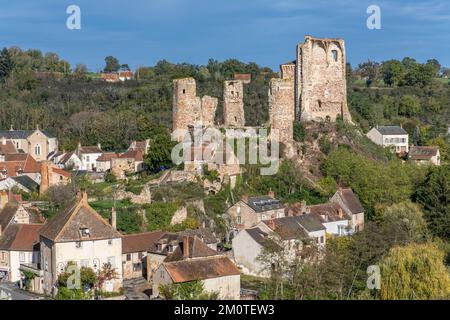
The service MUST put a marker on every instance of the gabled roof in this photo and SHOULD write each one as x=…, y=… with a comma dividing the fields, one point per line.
x=197, y=249
x=21, y=134
x=391, y=130
x=350, y=200
x=7, y=147
x=200, y=269
x=264, y=203
x=27, y=182
x=107, y=156
x=66, y=157
x=61, y=172
x=140, y=242
x=16, y=162
x=66, y=225
x=329, y=212
x=7, y=214
x=205, y=234
x=258, y=235
x=289, y=228
x=90, y=149
x=137, y=155
x=422, y=152
x=20, y=237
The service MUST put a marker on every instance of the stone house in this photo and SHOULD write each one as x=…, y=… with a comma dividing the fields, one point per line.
x=17, y=213
x=390, y=136
x=16, y=248
x=248, y=212
x=204, y=234
x=38, y=143
x=134, y=253
x=88, y=156
x=425, y=155
x=52, y=176
x=104, y=161
x=350, y=203
x=79, y=234
x=191, y=260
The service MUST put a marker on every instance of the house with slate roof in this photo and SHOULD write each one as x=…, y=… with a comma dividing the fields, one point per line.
x=249, y=211
x=88, y=156
x=425, y=155
x=390, y=136
x=350, y=203
x=38, y=143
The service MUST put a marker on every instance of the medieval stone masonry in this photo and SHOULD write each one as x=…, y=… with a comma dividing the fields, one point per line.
x=321, y=84
x=190, y=110
x=233, y=104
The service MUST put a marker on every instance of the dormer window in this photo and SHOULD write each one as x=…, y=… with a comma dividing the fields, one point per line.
x=170, y=248
x=84, y=232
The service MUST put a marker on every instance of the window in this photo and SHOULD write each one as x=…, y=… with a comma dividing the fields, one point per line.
x=78, y=244
x=112, y=262
x=128, y=256
x=334, y=53
x=140, y=255
x=22, y=257
x=37, y=149
x=239, y=219
x=110, y=242
x=87, y=158
x=184, y=91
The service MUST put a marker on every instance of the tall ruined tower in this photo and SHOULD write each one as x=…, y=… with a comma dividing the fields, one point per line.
x=188, y=109
x=233, y=104
x=282, y=103
x=321, y=90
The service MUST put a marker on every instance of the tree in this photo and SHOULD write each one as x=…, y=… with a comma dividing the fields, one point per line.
x=112, y=64
x=6, y=64
x=159, y=154
x=392, y=71
x=409, y=105
x=369, y=70
x=80, y=71
x=193, y=290
x=434, y=195
x=414, y=272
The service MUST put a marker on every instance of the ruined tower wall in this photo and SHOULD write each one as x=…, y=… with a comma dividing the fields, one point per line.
x=186, y=105
x=233, y=104
x=321, y=83
x=282, y=108
x=209, y=107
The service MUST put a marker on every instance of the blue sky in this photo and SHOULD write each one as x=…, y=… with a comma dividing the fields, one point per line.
x=141, y=32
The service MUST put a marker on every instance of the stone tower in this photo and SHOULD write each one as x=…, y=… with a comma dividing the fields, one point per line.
x=321, y=91
x=282, y=103
x=233, y=104
x=188, y=109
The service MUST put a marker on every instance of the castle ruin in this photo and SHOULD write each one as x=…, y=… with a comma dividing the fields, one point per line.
x=190, y=110
x=233, y=104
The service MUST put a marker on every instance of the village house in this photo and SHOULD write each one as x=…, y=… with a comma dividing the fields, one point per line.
x=189, y=259
x=37, y=143
x=66, y=160
x=18, y=164
x=290, y=233
x=390, y=136
x=52, y=176
x=6, y=147
x=134, y=253
x=88, y=156
x=16, y=248
x=78, y=235
x=425, y=155
x=248, y=212
x=350, y=203
x=143, y=146
x=104, y=161
x=18, y=213
x=204, y=234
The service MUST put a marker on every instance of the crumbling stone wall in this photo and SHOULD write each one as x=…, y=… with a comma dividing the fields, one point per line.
x=120, y=167
x=282, y=103
x=321, y=84
x=190, y=110
x=233, y=104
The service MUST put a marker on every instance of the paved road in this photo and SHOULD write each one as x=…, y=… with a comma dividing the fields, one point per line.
x=10, y=291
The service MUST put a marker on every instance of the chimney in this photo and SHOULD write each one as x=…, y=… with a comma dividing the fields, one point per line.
x=45, y=177
x=186, y=247
x=84, y=196
x=11, y=128
x=303, y=207
x=271, y=224
x=37, y=127
x=245, y=198
x=99, y=146
x=114, y=218
x=3, y=140
x=271, y=194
